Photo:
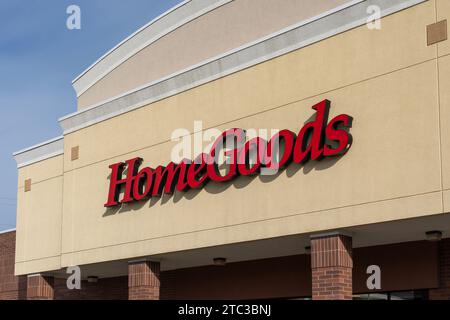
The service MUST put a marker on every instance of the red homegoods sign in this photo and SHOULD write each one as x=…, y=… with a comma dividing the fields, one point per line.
x=317, y=139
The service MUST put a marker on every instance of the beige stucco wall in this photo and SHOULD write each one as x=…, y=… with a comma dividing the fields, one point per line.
x=443, y=12
x=385, y=176
x=444, y=85
x=388, y=80
x=39, y=212
x=227, y=27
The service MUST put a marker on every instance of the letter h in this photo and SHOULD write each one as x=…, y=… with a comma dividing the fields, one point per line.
x=116, y=181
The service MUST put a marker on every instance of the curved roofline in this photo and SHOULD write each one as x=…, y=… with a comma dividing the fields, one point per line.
x=181, y=14
x=347, y=16
x=129, y=37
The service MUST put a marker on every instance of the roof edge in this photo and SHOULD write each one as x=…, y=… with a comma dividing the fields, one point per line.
x=42, y=151
x=162, y=25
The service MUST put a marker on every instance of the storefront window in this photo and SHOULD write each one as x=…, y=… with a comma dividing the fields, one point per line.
x=371, y=296
x=401, y=295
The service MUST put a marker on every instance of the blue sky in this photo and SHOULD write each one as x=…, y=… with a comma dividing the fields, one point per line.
x=39, y=58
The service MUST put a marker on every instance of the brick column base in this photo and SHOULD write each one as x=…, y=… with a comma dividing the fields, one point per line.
x=143, y=280
x=443, y=292
x=40, y=287
x=332, y=265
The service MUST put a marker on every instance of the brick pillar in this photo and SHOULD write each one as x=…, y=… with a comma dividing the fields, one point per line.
x=40, y=287
x=143, y=280
x=332, y=265
x=443, y=292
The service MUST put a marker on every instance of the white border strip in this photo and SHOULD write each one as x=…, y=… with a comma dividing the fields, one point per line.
x=39, y=152
x=38, y=145
x=343, y=18
x=164, y=24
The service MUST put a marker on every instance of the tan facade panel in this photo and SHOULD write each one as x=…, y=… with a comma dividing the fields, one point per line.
x=446, y=200
x=350, y=192
x=409, y=207
x=41, y=171
x=38, y=245
x=39, y=265
x=39, y=212
x=212, y=34
x=443, y=13
x=444, y=84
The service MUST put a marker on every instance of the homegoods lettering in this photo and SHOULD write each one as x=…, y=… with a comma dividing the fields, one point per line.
x=317, y=139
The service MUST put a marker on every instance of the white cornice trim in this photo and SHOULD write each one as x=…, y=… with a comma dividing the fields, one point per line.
x=39, y=145
x=162, y=25
x=343, y=18
x=39, y=152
